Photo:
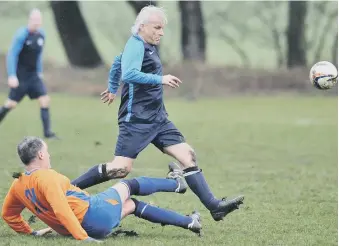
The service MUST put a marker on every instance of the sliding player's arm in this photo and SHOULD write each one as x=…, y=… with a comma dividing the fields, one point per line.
x=11, y=213
x=50, y=186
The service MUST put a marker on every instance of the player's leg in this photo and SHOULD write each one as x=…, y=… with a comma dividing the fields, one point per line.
x=154, y=214
x=164, y=217
x=37, y=90
x=14, y=97
x=131, y=141
x=119, y=168
x=171, y=142
x=8, y=106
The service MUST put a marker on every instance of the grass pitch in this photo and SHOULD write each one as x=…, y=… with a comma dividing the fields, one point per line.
x=281, y=153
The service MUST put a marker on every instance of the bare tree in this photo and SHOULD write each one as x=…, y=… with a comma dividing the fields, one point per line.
x=75, y=37
x=222, y=17
x=331, y=18
x=267, y=13
x=296, y=54
x=317, y=10
x=193, y=37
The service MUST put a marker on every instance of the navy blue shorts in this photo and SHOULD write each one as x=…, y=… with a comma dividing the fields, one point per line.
x=134, y=137
x=103, y=214
x=31, y=86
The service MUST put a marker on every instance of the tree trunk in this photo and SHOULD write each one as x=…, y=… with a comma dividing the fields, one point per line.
x=335, y=51
x=75, y=37
x=296, y=53
x=193, y=38
x=138, y=5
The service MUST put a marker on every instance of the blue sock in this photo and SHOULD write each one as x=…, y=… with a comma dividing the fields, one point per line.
x=95, y=175
x=143, y=186
x=197, y=183
x=3, y=112
x=160, y=215
x=44, y=113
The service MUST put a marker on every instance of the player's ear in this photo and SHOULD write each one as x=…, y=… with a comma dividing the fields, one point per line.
x=40, y=155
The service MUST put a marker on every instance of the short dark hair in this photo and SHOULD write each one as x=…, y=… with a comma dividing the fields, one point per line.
x=28, y=149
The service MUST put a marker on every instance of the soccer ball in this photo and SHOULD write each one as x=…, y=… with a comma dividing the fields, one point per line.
x=324, y=75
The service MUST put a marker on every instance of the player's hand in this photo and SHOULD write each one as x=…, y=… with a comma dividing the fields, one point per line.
x=42, y=232
x=92, y=240
x=13, y=82
x=171, y=81
x=107, y=96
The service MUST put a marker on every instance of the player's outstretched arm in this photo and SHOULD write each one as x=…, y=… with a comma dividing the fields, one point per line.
x=131, y=62
x=11, y=213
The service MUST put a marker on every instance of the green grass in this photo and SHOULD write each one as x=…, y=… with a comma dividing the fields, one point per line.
x=281, y=153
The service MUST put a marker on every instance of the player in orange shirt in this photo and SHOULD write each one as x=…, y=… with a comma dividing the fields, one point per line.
x=71, y=211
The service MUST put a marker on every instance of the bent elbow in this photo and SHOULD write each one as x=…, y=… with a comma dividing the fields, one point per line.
x=128, y=76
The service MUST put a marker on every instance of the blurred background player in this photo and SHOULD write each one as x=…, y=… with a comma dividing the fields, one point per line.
x=143, y=118
x=24, y=68
x=70, y=211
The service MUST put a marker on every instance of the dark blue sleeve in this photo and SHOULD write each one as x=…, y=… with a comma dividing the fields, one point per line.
x=131, y=62
x=14, y=51
x=40, y=62
x=115, y=75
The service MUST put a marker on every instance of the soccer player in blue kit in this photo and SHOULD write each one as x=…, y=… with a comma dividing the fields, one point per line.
x=143, y=118
x=24, y=68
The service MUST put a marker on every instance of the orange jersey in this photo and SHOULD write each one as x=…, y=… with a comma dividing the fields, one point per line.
x=52, y=198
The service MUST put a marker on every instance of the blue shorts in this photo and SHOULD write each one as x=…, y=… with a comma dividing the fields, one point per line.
x=134, y=137
x=103, y=214
x=31, y=85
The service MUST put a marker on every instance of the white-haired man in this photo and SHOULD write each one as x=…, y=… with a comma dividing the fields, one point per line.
x=24, y=68
x=143, y=117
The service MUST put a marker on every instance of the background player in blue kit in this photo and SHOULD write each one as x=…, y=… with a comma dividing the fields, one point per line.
x=143, y=118
x=24, y=68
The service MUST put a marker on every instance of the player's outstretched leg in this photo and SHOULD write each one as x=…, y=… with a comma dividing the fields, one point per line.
x=196, y=181
x=167, y=217
x=144, y=186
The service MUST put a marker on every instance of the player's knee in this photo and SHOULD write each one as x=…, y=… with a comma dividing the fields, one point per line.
x=128, y=208
x=10, y=104
x=117, y=169
x=44, y=101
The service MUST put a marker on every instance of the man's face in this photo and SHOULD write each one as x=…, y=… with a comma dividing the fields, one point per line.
x=35, y=21
x=153, y=30
x=44, y=157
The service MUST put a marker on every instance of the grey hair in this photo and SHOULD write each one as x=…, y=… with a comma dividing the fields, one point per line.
x=28, y=149
x=144, y=16
x=35, y=11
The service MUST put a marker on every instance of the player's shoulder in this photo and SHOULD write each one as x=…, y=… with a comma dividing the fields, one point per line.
x=42, y=32
x=135, y=41
x=46, y=174
x=22, y=32
x=15, y=185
